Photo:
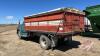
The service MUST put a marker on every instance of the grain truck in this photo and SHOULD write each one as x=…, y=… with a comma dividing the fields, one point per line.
x=52, y=26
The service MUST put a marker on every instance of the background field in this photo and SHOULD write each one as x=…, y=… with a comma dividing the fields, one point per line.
x=11, y=45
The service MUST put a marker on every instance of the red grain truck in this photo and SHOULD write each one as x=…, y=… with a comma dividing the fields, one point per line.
x=52, y=26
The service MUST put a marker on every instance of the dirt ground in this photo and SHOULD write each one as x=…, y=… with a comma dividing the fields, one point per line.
x=11, y=45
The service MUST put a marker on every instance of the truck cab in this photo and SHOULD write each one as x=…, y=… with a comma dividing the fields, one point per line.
x=21, y=31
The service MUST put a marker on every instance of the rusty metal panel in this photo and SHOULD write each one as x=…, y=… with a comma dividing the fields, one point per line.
x=74, y=22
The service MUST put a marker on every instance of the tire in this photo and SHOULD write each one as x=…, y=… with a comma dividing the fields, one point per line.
x=69, y=40
x=45, y=42
x=19, y=35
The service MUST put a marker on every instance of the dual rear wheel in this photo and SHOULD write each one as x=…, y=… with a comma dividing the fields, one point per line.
x=45, y=42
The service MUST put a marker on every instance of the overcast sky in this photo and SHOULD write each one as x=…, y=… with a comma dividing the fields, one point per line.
x=13, y=10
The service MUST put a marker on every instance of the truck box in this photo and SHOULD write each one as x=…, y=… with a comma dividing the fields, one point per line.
x=61, y=20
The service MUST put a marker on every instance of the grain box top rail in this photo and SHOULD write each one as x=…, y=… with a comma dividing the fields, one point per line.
x=72, y=10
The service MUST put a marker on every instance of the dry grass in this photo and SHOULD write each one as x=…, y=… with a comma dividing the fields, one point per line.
x=11, y=45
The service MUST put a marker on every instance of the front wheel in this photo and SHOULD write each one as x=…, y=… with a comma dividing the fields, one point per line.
x=19, y=34
x=45, y=42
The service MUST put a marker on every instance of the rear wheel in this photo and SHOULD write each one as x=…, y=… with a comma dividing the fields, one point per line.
x=65, y=40
x=45, y=42
x=69, y=40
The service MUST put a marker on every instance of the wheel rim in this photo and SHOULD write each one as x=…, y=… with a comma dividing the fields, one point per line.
x=43, y=42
